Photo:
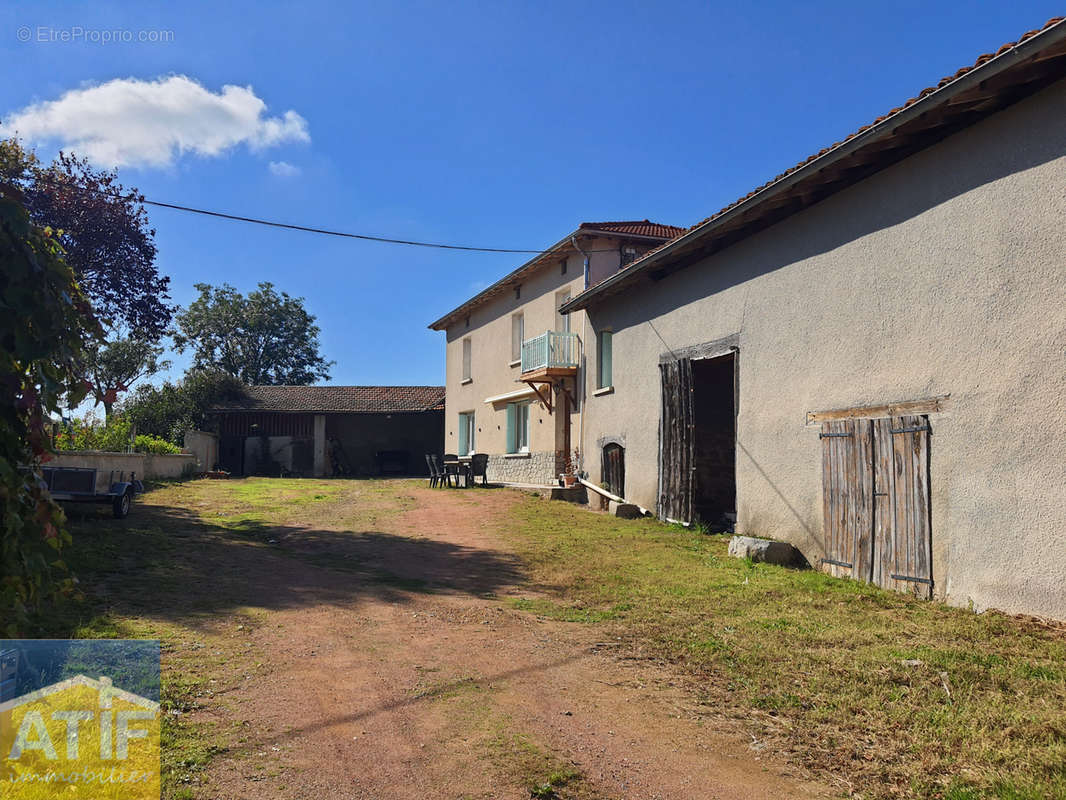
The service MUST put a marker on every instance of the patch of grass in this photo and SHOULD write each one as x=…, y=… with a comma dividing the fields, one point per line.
x=543, y=607
x=815, y=663
x=547, y=776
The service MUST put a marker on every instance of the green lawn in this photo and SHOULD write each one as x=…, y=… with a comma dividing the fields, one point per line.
x=873, y=692
x=878, y=693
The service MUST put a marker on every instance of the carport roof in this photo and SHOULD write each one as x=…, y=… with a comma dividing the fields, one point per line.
x=337, y=399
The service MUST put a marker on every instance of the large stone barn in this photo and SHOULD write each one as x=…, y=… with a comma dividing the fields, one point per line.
x=322, y=431
x=866, y=356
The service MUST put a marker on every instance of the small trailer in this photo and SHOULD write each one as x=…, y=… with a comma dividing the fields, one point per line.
x=78, y=485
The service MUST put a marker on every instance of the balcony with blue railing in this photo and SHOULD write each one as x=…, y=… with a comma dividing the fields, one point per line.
x=552, y=354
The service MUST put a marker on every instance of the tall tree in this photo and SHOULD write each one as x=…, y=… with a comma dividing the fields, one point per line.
x=262, y=338
x=44, y=322
x=114, y=365
x=103, y=228
x=169, y=410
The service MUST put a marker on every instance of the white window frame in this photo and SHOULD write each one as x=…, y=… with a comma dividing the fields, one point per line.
x=466, y=418
x=518, y=333
x=604, y=337
x=562, y=321
x=522, y=415
x=468, y=359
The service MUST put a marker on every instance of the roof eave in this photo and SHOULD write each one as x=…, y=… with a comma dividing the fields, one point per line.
x=564, y=245
x=488, y=291
x=878, y=131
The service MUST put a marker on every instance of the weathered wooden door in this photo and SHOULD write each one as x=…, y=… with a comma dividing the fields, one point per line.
x=676, y=446
x=875, y=480
x=614, y=469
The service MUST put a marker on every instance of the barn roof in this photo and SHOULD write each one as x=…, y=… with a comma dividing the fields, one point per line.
x=336, y=399
x=993, y=82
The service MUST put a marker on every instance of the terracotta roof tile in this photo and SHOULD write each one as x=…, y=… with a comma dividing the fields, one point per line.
x=640, y=227
x=337, y=399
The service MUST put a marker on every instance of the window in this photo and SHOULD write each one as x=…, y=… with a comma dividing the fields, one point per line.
x=518, y=292
x=518, y=331
x=466, y=433
x=466, y=359
x=562, y=270
x=629, y=254
x=518, y=427
x=604, y=377
x=562, y=321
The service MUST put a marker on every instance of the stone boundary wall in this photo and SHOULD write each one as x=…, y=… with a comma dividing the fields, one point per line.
x=147, y=466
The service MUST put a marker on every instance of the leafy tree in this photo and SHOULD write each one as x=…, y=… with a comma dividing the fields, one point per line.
x=44, y=321
x=89, y=434
x=262, y=338
x=115, y=365
x=169, y=410
x=103, y=227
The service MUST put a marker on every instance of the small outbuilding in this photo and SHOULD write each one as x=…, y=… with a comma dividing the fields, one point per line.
x=321, y=431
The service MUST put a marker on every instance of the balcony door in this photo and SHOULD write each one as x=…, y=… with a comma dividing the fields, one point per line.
x=562, y=321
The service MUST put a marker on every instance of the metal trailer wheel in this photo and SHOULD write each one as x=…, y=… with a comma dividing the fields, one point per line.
x=121, y=505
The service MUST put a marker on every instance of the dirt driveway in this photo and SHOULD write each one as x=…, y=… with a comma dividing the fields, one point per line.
x=374, y=655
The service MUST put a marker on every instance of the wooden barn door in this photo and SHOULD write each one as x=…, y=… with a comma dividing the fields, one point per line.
x=846, y=494
x=875, y=481
x=903, y=531
x=676, y=446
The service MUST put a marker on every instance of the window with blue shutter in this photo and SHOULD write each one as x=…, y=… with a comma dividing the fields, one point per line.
x=511, y=428
x=518, y=427
x=466, y=433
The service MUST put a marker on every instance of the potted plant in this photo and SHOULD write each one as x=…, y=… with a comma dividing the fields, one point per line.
x=569, y=476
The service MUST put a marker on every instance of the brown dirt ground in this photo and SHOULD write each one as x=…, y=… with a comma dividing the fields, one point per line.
x=425, y=683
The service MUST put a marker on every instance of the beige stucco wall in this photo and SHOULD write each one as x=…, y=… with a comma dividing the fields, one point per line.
x=204, y=446
x=146, y=466
x=492, y=372
x=945, y=274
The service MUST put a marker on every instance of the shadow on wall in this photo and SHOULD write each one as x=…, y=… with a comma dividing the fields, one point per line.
x=965, y=161
x=153, y=564
x=753, y=525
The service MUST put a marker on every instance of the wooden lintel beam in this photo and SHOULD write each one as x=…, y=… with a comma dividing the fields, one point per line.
x=901, y=408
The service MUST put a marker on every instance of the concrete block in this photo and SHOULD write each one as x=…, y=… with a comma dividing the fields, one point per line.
x=624, y=510
x=765, y=550
x=575, y=494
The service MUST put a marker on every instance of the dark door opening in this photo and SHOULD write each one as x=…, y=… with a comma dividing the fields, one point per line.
x=614, y=469
x=714, y=500
x=231, y=454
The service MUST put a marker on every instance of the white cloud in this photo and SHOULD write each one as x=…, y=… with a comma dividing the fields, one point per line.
x=151, y=123
x=283, y=169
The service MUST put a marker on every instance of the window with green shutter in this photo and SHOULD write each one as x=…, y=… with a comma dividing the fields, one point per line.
x=518, y=427
x=604, y=378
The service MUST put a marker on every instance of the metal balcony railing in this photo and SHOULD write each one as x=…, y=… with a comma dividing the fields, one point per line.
x=551, y=349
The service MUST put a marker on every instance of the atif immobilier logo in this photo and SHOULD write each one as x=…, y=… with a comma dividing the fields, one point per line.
x=79, y=719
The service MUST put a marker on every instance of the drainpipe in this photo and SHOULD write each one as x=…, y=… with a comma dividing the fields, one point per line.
x=584, y=361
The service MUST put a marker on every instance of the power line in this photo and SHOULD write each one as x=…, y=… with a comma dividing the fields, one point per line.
x=321, y=231
x=342, y=234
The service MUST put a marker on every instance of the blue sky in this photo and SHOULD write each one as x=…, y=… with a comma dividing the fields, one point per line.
x=496, y=124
